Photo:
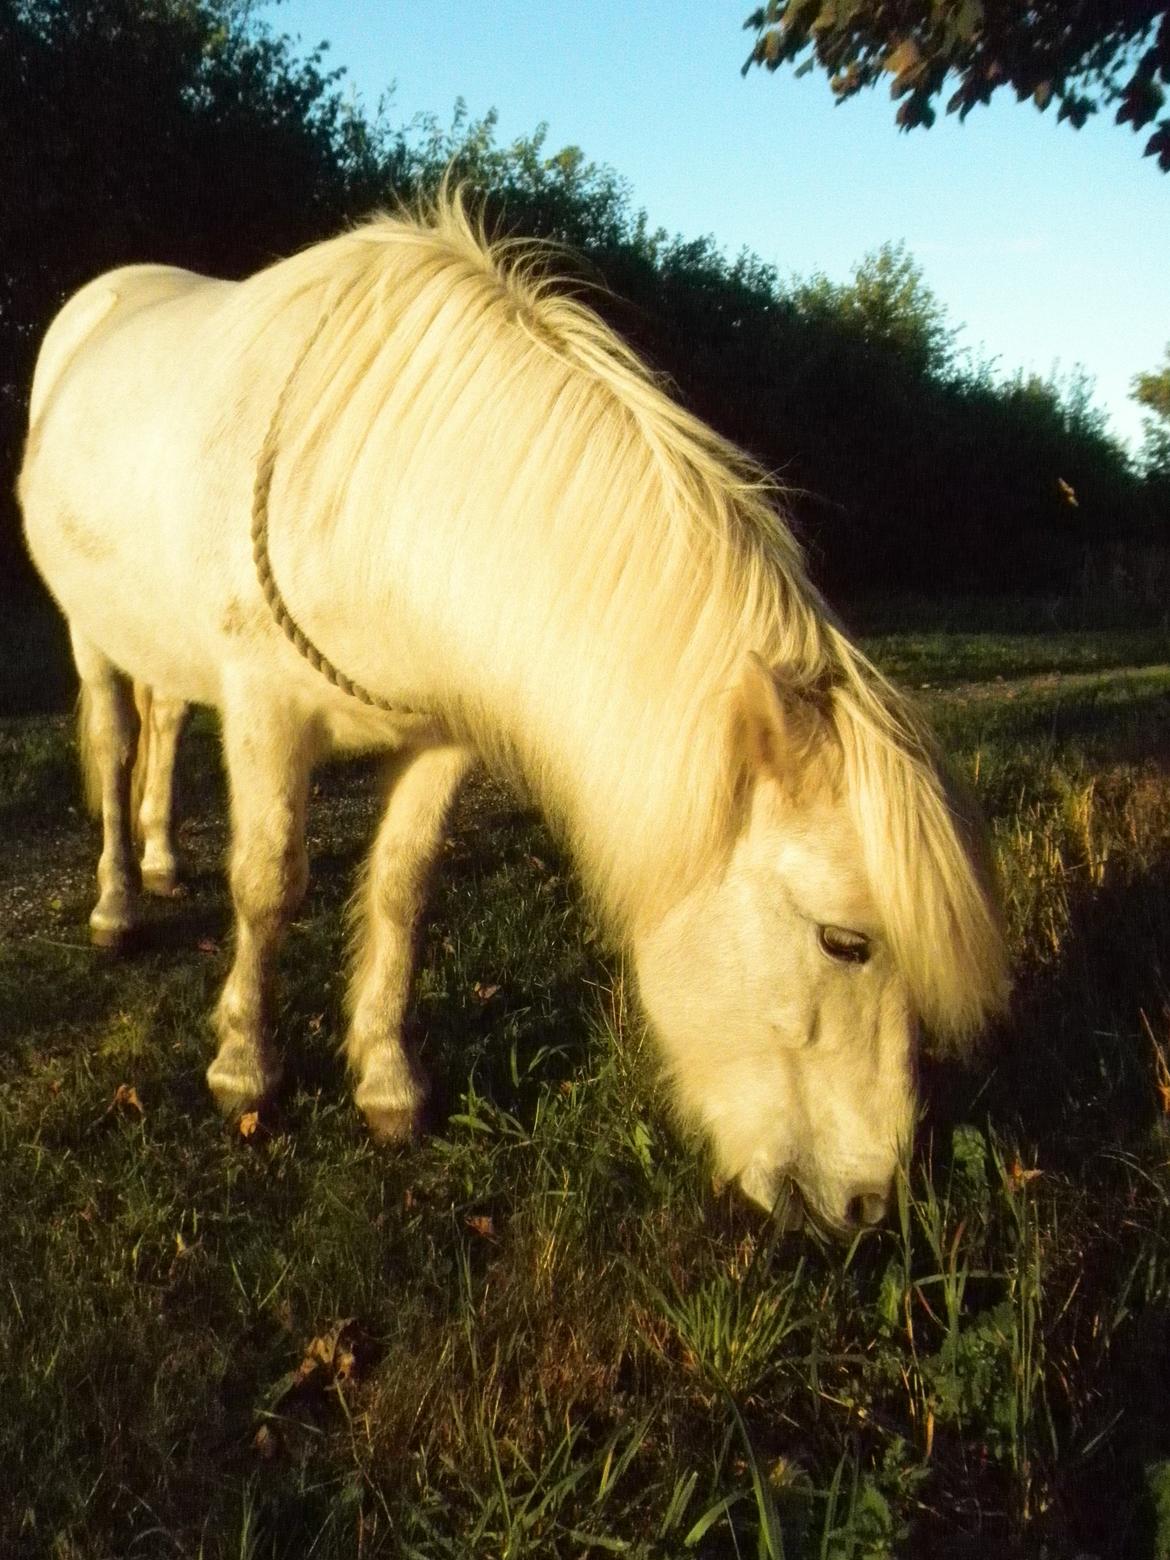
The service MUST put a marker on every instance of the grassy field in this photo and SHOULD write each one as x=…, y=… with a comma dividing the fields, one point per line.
x=543, y=1331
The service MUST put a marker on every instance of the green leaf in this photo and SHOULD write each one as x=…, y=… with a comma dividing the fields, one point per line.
x=711, y=1516
x=968, y=19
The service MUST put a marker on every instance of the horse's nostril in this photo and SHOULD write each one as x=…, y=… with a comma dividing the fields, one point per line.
x=866, y=1209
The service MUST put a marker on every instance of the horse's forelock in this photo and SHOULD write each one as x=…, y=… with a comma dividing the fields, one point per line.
x=928, y=860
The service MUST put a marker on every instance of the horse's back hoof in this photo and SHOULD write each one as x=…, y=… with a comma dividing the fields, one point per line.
x=108, y=938
x=392, y=1125
x=161, y=882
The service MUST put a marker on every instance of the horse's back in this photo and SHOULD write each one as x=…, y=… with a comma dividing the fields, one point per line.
x=111, y=297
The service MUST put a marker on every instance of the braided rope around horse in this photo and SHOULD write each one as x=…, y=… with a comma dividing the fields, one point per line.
x=261, y=490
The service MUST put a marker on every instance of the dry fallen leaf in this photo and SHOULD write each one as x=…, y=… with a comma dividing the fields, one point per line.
x=126, y=1098
x=249, y=1123
x=184, y=1252
x=484, y=993
x=1019, y=1177
x=329, y=1357
x=482, y=1224
x=1161, y=1067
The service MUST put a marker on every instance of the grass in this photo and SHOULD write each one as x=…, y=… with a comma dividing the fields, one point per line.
x=543, y=1332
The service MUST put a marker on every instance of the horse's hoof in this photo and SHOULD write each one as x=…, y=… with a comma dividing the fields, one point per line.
x=110, y=938
x=161, y=882
x=392, y=1125
x=241, y=1079
x=390, y=1093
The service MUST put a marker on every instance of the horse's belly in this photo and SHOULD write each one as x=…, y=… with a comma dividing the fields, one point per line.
x=128, y=612
x=120, y=583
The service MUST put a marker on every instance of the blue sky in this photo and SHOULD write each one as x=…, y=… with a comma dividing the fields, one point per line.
x=1050, y=246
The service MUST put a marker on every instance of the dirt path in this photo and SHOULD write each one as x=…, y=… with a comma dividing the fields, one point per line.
x=1048, y=684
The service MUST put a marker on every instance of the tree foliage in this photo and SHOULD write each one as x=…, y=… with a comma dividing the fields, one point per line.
x=188, y=131
x=170, y=130
x=889, y=306
x=1152, y=392
x=1078, y=54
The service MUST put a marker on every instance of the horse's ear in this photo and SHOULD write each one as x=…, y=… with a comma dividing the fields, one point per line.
x=779, y=732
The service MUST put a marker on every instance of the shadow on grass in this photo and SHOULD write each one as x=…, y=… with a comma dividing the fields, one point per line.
x=1072, y=1071
x=1072, y=1082
x=53, y=995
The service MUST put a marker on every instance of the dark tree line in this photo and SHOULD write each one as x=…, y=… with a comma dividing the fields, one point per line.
x=155, y=129
x=187, y=131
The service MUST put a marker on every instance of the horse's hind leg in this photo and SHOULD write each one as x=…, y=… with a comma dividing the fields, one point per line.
x=390, y=1089
x=269, y=753
x=161, y=724
x=107, y=739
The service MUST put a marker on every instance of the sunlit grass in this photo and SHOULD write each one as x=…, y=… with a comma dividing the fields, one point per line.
x=543, y=1331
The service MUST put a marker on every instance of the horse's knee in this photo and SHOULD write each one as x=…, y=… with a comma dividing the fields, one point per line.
x=269, y=881
x=170, y=716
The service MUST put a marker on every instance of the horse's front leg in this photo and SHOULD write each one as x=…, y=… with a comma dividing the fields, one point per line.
x=268, y=753
x=390, y=1088
x=162, y=722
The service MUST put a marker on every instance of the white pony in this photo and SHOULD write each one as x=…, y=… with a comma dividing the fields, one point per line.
x=401, y=492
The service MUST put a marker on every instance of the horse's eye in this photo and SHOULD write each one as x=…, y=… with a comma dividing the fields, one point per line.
x=844, y=946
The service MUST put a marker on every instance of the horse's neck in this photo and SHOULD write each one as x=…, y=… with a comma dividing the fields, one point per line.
x=636, y=774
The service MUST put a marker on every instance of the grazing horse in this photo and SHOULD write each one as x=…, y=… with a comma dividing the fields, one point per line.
x=401, y=492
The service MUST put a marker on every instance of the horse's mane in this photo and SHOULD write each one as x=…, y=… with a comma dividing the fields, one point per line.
x=660, y=546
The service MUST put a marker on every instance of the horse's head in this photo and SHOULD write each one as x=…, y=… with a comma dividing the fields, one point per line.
x=777, y=986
